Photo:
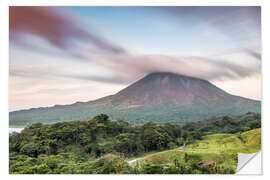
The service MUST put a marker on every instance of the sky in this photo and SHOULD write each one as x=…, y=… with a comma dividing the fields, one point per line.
x=62, y=55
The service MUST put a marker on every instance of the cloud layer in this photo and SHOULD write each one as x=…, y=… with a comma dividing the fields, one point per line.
x=127, y=69
x=54, y=25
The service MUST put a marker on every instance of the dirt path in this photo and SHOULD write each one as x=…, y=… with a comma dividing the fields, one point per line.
x=133, y=161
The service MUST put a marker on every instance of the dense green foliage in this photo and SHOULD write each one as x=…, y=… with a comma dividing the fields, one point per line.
x=226, y=124
x=101, y=146
x=141, y=114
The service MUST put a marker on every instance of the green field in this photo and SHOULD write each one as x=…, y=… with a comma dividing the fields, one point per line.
x=221, y=148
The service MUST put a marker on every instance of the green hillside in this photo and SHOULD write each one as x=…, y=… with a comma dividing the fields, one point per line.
x=221, y=148
x=159, y=114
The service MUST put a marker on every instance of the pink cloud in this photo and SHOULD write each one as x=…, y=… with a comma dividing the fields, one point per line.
x=54, y=25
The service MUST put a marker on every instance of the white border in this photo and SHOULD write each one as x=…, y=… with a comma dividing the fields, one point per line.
x=4, y=77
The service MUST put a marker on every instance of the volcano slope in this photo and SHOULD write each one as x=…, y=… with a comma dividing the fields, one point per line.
x=158, y=97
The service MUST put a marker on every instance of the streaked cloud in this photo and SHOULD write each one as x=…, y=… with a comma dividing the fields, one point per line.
x=127, y=69
x=55, y=25
x=254, y=54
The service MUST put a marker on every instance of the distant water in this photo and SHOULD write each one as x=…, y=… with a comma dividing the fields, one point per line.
x=11, y=130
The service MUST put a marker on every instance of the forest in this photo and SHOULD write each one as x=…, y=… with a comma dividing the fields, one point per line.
x=102, y=146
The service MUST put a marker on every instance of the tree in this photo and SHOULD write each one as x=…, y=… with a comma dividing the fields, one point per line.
x=102, y=118
x=109, y=164
x=14, y=142
x=150, y=168
x=32, y=149
x=186, y=157
x=254, y=124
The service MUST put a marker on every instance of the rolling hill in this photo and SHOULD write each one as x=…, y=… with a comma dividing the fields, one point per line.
x=221, y=148
x=159, y=97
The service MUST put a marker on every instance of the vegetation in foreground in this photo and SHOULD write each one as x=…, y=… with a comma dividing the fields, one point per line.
x=101, y=146
x=220, y=148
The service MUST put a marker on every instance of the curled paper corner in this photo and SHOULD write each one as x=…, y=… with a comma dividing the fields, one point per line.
x=249, y=163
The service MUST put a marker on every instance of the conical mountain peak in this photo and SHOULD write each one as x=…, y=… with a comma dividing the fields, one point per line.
x=164, y=87
x=158, y=97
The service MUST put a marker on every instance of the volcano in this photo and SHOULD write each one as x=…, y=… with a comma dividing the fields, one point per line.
x=158, y=88
x=159, y=97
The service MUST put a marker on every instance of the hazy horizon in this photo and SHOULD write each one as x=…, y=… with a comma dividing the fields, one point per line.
x=63, y=55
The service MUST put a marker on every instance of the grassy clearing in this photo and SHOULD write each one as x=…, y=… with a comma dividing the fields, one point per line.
x=221, y=148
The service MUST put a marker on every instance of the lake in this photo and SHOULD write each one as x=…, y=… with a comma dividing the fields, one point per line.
x=11, y=130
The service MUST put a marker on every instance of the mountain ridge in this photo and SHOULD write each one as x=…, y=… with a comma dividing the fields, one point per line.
x=159, y=97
